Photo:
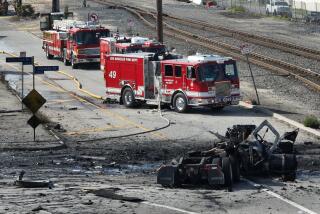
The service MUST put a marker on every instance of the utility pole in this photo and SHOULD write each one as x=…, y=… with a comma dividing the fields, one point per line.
x=252, y=77
x=55, y=6
x=246, y=50
x=159, y=21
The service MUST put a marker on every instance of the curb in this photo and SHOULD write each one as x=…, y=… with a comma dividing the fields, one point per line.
x=281, y=118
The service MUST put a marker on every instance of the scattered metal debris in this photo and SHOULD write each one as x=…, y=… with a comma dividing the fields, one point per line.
x=32, y=184
x=242, y=151
x=73, y=108
x=88, y=202
x=39, y=208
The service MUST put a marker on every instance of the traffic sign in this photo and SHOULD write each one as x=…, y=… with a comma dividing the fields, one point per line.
x=42, y=69
x=34, y=121
x=23, y=54
x=24, y=60
x=245, y=49
x=130, y=22
x=94, y=17
x=34, y=101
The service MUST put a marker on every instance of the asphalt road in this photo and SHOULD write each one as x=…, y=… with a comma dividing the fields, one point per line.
x=96, y=120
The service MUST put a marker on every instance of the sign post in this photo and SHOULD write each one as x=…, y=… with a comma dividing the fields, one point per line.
x=245, y=50
x=22, y=54
x=33, y=101
x=24, y=61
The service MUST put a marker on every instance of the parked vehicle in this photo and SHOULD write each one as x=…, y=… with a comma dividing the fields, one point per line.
x=124, y=44
x=278, y=7
x=74, y=42
x=199, y=80
x=47, y=19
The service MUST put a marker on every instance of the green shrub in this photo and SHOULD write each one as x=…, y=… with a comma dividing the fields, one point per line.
x=25, y=10
x=312, y=122
x=237, y=9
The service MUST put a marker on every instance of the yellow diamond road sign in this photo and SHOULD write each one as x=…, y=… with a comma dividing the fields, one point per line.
x=34, y=121
x=34, y=101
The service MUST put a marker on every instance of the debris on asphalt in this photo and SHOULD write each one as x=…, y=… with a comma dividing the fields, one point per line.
x=88, y=202
x=39, y=208
x=73, y=108
x=32, y=184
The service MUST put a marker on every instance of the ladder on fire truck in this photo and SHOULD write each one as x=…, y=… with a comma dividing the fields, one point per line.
x=64, y=25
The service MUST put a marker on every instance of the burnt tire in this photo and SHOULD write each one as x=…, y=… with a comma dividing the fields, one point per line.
x=235, y=168
x=128, y=98
x=289, y=177
x=227, y=171
x=180, y=103
x=48, y=55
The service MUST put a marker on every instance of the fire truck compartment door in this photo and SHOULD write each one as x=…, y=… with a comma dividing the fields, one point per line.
x=150, y=69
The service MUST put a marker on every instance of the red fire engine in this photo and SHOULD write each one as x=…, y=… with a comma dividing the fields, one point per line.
x=123, y=44
x=199, y=80
x=75, y=42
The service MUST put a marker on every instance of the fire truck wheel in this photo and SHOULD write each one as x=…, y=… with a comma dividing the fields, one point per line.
x=235, y=168
x=217, y=108
x=48, y=55
x=227, y=171
x=128, y=98
x=180, y=103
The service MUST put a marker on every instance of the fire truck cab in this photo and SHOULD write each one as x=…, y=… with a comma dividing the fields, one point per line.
x=199, y=80
x=75, y=42
x=124, y=44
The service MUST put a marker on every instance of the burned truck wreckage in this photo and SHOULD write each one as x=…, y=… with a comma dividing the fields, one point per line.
x=245, y=150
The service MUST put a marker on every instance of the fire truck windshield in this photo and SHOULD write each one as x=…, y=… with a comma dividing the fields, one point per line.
x=90, y=37
x=216, y=72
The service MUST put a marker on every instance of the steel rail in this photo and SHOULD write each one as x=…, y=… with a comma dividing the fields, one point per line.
x=310, y=78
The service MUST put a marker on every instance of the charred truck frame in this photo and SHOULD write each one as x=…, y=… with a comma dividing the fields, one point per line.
x=243, y=151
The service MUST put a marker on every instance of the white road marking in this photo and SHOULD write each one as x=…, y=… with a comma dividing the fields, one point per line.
x=302, y=208
x=168, y=207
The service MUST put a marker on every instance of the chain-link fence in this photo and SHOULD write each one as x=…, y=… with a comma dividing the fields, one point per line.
x=252, y=6
x=308, y=10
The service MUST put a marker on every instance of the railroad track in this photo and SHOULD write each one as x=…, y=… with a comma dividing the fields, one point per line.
x=250, y=38
x=310, y=78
